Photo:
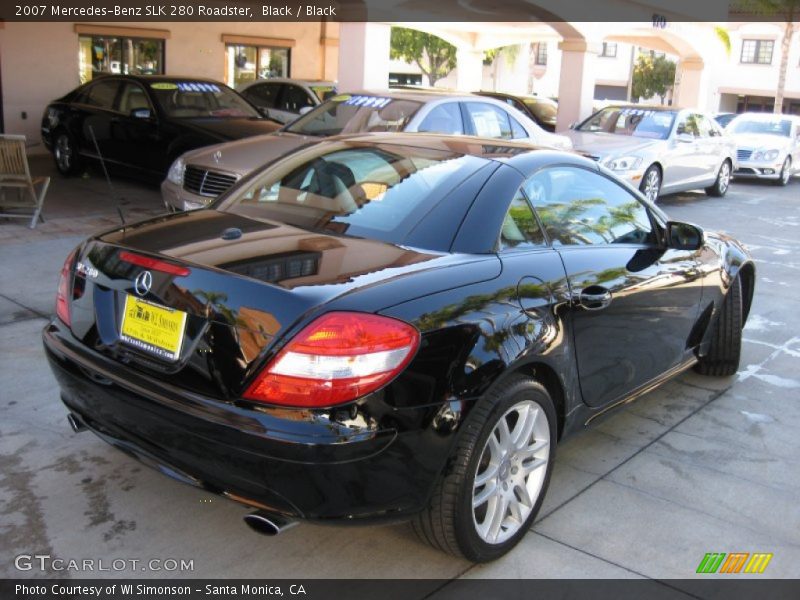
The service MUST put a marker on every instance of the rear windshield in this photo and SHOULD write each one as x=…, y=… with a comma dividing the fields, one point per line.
x=356, y=114
x=192, y=99
x=634, y=122
x=374, y=191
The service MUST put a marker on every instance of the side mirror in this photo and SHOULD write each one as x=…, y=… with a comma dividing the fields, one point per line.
x=305, y=109
x=573, y=125
x=685, y=138
x=684, y=236
x=263, y=111
x=141, y=113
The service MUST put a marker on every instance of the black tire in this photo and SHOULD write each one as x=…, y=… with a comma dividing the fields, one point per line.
x=723, y=181
x=786, y=173
x=448, y=522
x=65, y=153
x=651, y=183
x=723, y=355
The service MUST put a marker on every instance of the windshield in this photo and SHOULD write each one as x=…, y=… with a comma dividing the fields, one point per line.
x=373, y=191
x=781, y=127
x=543, y=109
x=634, y=122
x=355, y=114
x=186, y=99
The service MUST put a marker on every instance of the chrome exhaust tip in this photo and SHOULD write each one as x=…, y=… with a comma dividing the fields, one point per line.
x=266, y=523
x=75, y=423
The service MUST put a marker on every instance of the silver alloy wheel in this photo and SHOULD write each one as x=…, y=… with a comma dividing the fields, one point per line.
x=63, y=152
x=652, y=185
x=786, y=172
x=511, y=472
x=724, y=177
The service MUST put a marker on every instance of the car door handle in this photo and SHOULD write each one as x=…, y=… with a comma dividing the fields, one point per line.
x=594, y=297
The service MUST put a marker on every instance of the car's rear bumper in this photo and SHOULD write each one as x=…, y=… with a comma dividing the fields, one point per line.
x=290, y=462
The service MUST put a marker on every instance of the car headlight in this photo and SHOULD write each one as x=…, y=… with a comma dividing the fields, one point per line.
x=767, y=154
x=623, y=163
x=175, y=174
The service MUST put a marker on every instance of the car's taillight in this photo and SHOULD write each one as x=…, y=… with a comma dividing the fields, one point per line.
x=153, y=264
x=337, y=358
x=64, y=293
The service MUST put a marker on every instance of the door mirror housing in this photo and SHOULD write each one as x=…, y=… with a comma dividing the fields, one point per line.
x=305, y=109
x=684, y=236
x=684, y=138
x=141, y=113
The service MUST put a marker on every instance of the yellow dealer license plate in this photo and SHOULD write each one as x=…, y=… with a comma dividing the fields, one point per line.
x=155, y=329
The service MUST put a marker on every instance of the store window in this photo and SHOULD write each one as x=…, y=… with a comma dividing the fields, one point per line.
x=119, y=55
x=757, y=51
x=247, y=63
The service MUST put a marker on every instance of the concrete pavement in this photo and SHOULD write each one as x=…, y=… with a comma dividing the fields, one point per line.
x=700, y=465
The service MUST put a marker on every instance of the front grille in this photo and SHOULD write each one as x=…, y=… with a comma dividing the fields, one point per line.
x=206, y=183
x=743, y=154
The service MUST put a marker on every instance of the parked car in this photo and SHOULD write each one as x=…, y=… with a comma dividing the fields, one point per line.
x=144, y=122
x=542, y=110
x=660, y=150
x=388, y=327
x=724, y=118
x=767, y=146
x=200, y=176
x=284, y=99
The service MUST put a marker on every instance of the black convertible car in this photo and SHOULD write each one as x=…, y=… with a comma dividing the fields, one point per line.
x=389, y=327
x=142, y=123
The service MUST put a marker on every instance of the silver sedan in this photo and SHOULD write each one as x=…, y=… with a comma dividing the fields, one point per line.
x=199, y=176
x=767, y=146
x=659, y=150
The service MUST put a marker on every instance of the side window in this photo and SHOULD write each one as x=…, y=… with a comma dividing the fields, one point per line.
x=517, y=131
x=263, y=95
x=580, y=208
x=445, y=118
x=294, y=98
x=520, y=228
x=102, y=94
x=705, y=127
x=133, y=98
x=688, y=124
x=489, y=120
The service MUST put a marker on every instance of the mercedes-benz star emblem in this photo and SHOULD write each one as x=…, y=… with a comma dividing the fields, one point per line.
x=143, y=282
x=217, y=156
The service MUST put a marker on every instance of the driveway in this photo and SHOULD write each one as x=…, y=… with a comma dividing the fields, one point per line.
x=699, y=465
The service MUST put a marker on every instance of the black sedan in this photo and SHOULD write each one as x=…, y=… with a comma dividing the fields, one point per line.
x=143, y=123
x=543, y=111
x=390, y=327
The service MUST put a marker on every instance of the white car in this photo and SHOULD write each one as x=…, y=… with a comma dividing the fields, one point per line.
x=767, y=146
x=283, y=99
x=199, y=176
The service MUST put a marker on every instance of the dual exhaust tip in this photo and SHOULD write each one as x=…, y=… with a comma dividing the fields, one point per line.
x=261, y=521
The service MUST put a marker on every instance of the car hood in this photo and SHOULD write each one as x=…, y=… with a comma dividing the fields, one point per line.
x=231, y=128
x=759, y=140
x=607, y=144
x=243, y=156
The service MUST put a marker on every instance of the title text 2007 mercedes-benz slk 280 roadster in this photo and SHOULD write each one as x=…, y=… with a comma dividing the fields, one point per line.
x=389, y=327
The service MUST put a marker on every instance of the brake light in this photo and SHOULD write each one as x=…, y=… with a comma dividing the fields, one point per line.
x=64, y=293
x=153, y=264
x=337, y=358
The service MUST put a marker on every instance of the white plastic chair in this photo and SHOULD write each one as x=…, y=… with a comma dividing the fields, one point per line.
x=15, y=173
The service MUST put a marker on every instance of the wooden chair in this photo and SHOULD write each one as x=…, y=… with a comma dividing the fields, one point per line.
x=15, y=173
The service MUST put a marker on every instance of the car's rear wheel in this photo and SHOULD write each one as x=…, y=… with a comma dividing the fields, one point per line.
x=65, y=153
x=651, y=183
x=724, y=353
x=786, y=172
x=495, y=484
x=723, y=181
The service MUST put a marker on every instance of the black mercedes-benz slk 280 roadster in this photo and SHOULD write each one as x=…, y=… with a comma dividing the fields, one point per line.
x=390, y=327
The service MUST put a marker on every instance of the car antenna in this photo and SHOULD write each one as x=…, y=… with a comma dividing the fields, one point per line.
x=108, y=179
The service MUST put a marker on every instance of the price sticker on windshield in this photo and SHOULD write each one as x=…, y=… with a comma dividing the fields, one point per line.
x=369, y=101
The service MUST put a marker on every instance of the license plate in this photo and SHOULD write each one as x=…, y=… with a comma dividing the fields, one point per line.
x=153, y=328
